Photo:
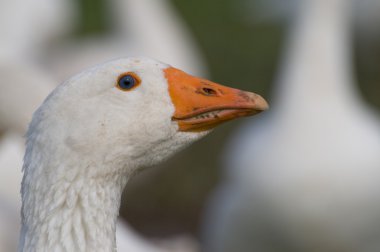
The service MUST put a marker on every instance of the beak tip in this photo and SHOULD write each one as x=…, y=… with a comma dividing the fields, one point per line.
x=259, y=104
x=262, y=104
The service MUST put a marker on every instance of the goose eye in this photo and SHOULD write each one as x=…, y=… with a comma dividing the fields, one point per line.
x=128, y=81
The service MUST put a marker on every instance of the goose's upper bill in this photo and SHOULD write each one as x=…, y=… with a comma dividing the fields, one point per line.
x=98, y=128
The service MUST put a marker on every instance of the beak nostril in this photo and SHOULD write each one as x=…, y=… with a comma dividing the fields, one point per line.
x=209, y=92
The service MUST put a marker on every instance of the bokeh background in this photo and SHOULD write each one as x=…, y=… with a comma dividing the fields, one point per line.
x=241, y=44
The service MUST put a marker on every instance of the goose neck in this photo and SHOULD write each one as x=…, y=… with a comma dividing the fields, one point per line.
x=317, y=65
x=68, y=210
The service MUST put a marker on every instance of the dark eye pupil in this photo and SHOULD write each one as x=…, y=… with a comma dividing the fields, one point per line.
x=127, y=82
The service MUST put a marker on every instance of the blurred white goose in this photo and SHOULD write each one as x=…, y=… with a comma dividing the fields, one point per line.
x=99, y=128
x=306, y=177
x=23, y=87
x=19, y=20
x=142, y=27
x=23, y=84
x=11, y=152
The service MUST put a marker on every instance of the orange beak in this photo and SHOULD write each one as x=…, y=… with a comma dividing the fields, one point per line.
x=202, y=105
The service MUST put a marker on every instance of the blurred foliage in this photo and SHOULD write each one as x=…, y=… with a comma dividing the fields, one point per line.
x=367, y=67
x=94, y=17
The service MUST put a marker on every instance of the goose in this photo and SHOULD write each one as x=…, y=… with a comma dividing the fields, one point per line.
x=99, y=128
x=20, y=52
x=34, y=85
x=141, y=27
x=305, y=177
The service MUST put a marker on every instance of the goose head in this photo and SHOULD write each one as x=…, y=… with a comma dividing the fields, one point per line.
x=100, y=127
x=136, y=109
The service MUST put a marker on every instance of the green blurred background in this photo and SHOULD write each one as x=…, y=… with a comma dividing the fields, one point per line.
x=240, y=51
